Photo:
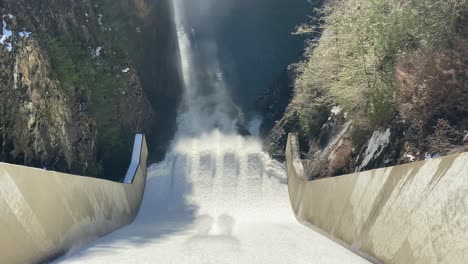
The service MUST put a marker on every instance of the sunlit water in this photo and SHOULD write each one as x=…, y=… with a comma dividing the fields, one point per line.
x=217, y=197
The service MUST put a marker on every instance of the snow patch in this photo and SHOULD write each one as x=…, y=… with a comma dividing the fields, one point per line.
x=375, y=147
x=429, y=156
x=336, y=110
x=334, y=142
x=100, y=17
x=6, y=33
x=410, y=157
x=126, y=70
x=24, y=34
x=97, y=51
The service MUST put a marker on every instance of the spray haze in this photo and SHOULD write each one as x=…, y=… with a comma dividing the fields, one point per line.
x=220, y=168
x=206, y=104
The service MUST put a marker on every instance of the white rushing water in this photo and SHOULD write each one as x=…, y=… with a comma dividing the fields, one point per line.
x=217, y=197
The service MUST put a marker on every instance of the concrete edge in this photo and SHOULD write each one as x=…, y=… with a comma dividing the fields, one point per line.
x=401, y=214
x=295, y=167
x=47, y=213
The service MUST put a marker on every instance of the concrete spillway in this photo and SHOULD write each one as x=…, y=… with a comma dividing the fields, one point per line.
x=215, y=199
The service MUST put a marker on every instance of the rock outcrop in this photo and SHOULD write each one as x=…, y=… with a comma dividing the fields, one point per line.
x=40, y=124
x=78, y=79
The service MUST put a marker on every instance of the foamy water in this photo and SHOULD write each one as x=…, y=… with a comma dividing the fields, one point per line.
x=226, y=175
x=216, y=199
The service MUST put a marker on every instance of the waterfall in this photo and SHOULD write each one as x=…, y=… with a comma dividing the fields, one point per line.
x=210, y=168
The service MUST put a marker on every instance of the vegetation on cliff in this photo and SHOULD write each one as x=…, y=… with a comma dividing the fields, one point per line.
x=363, y=46
x=387, y=64
x=76, y=89
x=94, y=76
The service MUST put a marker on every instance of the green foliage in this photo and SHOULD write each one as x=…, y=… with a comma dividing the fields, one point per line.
x=94, y=81
x=353, y=63
x=23, y=23
x=120, y=21
x=313, y=108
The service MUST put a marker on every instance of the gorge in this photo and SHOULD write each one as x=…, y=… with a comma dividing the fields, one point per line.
x=262, y=124
x=216, y=197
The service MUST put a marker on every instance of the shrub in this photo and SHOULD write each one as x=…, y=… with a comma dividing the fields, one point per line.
x=445, y=138
x=93, y=81
x=311, y=87
x=432, y=86
x=312, y=110
x=341, y=159
x=353, y=63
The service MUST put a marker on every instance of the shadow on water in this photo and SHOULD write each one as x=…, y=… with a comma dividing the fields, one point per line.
x=165, y=211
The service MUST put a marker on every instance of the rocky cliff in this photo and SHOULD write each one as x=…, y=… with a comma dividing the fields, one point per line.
x=370, y=95
x=78, y=80
x=340, y=147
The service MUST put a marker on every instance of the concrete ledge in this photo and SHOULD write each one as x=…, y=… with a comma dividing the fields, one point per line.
x=44, y=213
x=414, y=213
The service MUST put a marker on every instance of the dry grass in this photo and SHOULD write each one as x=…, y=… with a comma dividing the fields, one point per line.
x=342, y=161
x=432, y=86
x=445, y=138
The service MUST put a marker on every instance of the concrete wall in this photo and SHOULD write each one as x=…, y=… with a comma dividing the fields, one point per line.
x=44, y=213
x=415, y=213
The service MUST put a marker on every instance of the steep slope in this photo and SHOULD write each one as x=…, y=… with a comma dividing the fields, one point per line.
x=385, y=83
x=72, y=85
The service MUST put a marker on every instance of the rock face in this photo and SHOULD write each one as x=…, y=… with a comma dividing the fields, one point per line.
x=158, y=65
x=76, y=82
x=409, y=102
x=334, y=152
x=39, y=124
x=342, y=148
x=278, y=119
x=273, y=104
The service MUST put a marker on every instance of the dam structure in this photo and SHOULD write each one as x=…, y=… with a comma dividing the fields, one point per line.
x=217, y=197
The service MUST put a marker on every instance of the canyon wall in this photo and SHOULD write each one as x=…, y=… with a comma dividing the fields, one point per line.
x=79, y=78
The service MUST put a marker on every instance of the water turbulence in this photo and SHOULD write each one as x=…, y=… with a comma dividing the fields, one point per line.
x=223, y=177
x=217, y=197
